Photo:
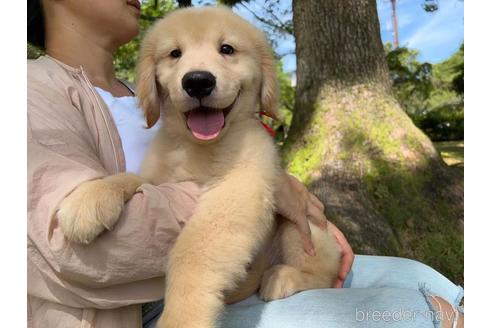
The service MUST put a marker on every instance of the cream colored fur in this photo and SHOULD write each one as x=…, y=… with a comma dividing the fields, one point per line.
x=223, y=251
x=95, y=206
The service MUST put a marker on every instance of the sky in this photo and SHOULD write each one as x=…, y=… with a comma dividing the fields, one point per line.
x=435, y=35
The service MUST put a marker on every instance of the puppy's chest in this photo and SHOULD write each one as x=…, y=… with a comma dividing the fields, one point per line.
x=172, y=160
x=182, y=164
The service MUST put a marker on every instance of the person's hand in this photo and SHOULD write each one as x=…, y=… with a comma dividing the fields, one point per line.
x=294, y=202
x=347, y=255
x=297, y=204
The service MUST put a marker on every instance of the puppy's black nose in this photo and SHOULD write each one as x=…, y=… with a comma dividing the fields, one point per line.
x=198, y=84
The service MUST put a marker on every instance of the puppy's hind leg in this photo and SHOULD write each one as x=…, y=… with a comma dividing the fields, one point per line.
x=251, y=283
x=298, y=271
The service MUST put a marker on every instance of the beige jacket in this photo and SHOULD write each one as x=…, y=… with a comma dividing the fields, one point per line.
x=71, y=138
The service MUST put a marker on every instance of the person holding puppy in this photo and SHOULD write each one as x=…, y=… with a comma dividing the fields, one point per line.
x=84, y=124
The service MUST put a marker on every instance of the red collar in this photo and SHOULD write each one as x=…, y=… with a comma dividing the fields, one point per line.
x=267, y=127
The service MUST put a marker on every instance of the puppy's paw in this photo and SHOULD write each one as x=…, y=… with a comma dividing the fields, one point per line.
x=92, y=207
x=280, y=281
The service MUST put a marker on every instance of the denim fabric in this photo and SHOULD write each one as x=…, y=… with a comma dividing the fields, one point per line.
x=379, y=292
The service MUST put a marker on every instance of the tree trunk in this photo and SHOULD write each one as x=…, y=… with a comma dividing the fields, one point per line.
x=380, y=177
x=394, y=17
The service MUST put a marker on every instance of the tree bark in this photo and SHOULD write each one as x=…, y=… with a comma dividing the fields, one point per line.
x=380, y=177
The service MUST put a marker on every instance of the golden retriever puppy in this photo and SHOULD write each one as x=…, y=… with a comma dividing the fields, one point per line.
x=206, y=72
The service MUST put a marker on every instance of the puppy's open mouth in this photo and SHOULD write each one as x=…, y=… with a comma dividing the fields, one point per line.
x=205, y=123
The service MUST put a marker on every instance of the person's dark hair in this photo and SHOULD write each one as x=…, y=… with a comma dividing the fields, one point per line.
x=35, y=23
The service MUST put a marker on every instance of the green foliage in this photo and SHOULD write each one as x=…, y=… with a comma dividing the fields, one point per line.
x=126, y=57
x=450, y=73
x=430, y=5
x=411, y=79
x=432, y=95
x=287, y=99
x=33, y=52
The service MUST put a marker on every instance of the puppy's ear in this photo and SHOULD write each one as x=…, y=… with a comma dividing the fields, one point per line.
x=270, y=93
x=147, y=88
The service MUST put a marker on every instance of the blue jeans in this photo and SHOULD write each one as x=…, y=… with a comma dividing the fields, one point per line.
x=380, y=291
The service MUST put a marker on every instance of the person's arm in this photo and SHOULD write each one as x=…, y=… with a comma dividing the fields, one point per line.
x=62, y=155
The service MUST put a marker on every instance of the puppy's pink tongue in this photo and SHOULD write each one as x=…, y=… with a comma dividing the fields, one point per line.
x=205, y=124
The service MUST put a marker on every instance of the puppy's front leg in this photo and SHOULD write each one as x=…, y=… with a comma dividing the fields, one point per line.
x=96, y=205
x=210, y=256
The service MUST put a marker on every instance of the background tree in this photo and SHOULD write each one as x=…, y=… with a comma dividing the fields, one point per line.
x=432, y=95
x=380, y=177
x=411, y=80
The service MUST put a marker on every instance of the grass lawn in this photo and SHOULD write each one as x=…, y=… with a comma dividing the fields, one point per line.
x=453, y=152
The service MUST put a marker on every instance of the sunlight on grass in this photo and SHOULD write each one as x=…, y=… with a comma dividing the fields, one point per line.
x=452, y=152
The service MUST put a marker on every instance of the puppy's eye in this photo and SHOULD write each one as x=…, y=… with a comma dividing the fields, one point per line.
x=226, y=49
x=176, y=53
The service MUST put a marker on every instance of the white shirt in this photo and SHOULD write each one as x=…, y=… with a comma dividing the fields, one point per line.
x=132, y=128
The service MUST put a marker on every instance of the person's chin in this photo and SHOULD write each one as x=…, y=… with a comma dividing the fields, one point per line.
x=134, y=32
x=130, y=29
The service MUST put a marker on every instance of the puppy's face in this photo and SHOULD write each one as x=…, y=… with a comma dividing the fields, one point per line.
x=205, y=68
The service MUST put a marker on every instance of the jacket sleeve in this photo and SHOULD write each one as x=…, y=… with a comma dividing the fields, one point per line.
x=110, y=271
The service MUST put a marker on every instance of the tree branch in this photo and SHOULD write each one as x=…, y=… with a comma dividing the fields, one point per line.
x=279, y=27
